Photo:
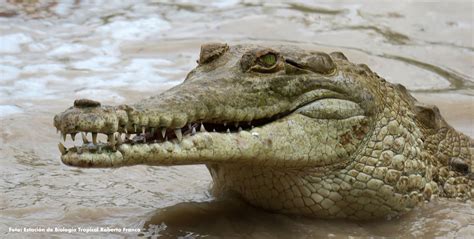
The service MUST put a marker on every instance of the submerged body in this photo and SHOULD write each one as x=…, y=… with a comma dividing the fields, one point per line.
x=288, y=130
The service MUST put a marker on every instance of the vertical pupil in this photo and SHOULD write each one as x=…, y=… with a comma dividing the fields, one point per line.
x=268, y=59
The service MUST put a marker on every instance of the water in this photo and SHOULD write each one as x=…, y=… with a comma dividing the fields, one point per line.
x=53, y=53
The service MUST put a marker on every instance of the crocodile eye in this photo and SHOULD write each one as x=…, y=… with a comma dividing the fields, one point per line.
x=262, y=60
x=267, y=60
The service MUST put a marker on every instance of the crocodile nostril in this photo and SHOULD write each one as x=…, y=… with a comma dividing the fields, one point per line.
x=83, y=103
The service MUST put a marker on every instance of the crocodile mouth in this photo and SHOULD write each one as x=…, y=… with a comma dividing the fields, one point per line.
x=322, y=108
x=210, y=140
x=95, y=145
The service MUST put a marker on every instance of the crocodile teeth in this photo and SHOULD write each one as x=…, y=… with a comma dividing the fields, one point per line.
x=94, y=138
x=135, y=128
x=225, y=124
x=202, y=129
x=119, y=138
x=228, y=130
x=64, y=136
x=193, y=131
x=240, y=129
x=62, y=149
x=73, y=136
x=84, y=138
x=111, y=139
x=178, y=134
x=163, y=132
x=143, y=130
x=125, y=130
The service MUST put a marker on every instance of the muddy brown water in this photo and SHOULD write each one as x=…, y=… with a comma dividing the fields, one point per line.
x=53, y=53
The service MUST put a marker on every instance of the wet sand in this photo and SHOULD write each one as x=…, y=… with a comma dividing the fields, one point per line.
x=51, y=54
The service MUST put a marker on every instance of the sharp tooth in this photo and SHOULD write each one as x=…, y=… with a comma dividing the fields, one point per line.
x=111, y=139
x=143, y=130
x=189, y=126
x=240, y=129
x=73, y=136
x=84, y=138
x=64, y=136
x=202, y=129
x=62, y=149
x=119, y=138
x=94, y=138
x=225, y=124
x=193, y=131
x=178, y=134
x=125, y=130
x=135, y=128
x=213, y=130
x=228, y=130
x=163, y=132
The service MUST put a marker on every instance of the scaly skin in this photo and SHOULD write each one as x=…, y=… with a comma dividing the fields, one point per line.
x=319, y=135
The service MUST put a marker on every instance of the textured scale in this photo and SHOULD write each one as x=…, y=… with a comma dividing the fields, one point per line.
x=290, y=130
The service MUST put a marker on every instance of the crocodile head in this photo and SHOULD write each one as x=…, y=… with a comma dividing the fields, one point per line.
x=289, y=130
x=280, y=107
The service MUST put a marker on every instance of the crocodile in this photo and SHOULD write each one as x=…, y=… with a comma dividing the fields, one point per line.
x=289, y=130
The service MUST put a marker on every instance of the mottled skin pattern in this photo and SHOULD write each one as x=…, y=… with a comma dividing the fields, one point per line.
x=319, y=136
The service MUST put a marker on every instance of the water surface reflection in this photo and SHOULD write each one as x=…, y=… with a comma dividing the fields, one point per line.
x=54, y=52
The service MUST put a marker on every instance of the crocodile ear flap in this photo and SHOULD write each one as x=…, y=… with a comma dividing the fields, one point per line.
x=211, y=51
x=429, y=115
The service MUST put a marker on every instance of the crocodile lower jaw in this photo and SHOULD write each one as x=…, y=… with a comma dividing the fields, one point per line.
x=166, y=152
x=153, y=136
